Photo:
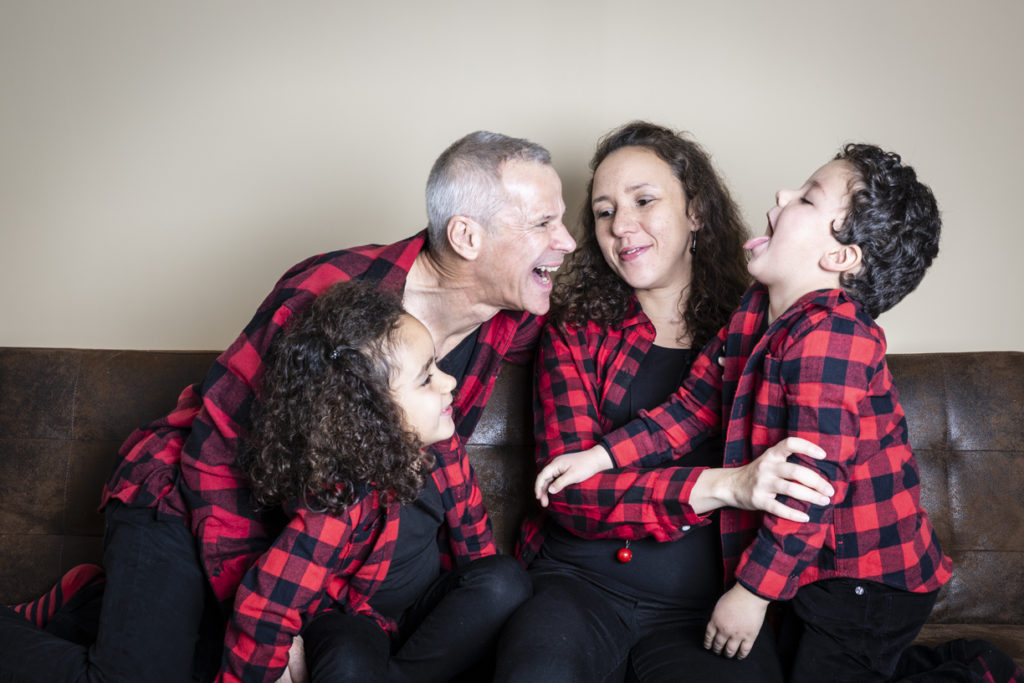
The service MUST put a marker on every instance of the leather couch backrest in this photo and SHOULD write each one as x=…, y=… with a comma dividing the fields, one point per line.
x=65, y=412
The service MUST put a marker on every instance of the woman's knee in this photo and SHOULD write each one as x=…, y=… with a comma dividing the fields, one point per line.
x=565, y=632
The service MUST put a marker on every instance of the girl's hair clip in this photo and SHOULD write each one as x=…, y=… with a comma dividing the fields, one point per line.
x=335, y=353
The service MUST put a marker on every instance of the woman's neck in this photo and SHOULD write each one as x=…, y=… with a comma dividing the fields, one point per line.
x=663, y=308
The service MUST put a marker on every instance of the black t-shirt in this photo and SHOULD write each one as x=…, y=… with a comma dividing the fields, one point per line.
x=417, y=560
x=685, y=573
x=456, y=361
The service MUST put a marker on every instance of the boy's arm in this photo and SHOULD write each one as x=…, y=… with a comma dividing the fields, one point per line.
x=630, y=502
x=825, y=378
x=567, y=418
x=297, y=565
x=677, y=426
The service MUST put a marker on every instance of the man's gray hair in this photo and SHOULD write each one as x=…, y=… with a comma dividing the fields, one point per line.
x=466, y=179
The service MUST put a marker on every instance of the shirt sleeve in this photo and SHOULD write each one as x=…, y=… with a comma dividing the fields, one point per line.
x=679, y=425
x=824, y=377
x=276, y=592
x=230, y=530
x=618, y=503
x=524, y=344
x=468, y=527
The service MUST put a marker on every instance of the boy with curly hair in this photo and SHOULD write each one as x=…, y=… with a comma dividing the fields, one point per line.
x=803, y=357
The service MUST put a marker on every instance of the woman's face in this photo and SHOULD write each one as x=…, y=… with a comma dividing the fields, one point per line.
x=420, y=389
x=641, y=218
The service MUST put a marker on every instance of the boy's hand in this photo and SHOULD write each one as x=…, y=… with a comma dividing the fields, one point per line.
x=570, y=468
x=735, y=623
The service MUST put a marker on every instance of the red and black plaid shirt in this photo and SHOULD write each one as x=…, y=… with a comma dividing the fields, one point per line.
x=818, y=372
x=325, y=562
x=184, y=463
x=583, y=374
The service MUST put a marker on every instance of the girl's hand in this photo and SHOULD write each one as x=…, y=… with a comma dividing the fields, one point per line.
x=570, y=468
x=755, y=486
x=735, y=623
x=296, y=671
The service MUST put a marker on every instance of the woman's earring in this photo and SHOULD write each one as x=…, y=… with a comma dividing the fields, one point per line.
x=693, y=242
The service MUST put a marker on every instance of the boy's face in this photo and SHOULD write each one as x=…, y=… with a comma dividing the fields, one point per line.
x=791, y=257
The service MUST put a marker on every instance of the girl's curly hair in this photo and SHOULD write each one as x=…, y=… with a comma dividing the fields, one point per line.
x=592, y=291
x=325, y=426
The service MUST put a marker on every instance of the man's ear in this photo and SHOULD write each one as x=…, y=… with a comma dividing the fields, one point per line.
x=465, y=237
x=845, y=259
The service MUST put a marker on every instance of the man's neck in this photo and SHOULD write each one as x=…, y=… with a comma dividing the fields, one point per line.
x=444, y=295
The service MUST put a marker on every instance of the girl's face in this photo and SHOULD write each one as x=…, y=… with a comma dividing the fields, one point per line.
x=641, y=219
x=420, y=389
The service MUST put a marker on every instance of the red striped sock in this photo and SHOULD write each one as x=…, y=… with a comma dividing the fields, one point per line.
x=41, y=610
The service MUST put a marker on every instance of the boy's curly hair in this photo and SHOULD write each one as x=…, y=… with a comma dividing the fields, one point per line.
x=894, y=219
x=592, y=291
x=325, y=426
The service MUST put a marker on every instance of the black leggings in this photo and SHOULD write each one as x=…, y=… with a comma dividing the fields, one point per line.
x=153, y=606
x=573, y=630
x=449, y=629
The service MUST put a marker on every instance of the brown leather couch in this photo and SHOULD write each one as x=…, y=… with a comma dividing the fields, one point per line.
x=64, y=412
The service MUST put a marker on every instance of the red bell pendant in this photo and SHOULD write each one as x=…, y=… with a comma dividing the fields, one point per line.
x=624, y=555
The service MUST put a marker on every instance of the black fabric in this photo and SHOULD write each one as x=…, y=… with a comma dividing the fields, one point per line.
x=448, y=630
x=850, y=630
x=456, y=361
x=957, y=661
x=153, y=604
x=576, y=631
x=660, y=373
x=685, y=573
x=416, y=562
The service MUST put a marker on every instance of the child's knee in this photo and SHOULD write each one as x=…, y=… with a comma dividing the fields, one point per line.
x=505, y=582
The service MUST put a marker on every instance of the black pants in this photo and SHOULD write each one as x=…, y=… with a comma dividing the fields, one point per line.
x=149, y=619
x=573, y=630
x=851, y=631
x=450, y=629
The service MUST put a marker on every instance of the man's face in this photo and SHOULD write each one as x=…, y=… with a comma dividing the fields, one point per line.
x=527, y=240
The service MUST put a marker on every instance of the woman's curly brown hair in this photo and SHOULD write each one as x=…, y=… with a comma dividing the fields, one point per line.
x=592, y=291
x=325, y=426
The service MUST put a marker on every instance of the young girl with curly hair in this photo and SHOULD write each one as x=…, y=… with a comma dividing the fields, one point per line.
x=387, y=567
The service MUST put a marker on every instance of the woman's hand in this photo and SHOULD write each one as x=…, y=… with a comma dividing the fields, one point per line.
x=754, y=486
x=570, y=468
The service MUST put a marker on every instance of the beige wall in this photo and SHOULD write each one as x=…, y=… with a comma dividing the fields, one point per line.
x=161, y=163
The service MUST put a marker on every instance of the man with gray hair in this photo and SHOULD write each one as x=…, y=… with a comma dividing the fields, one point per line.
x=180, y=515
